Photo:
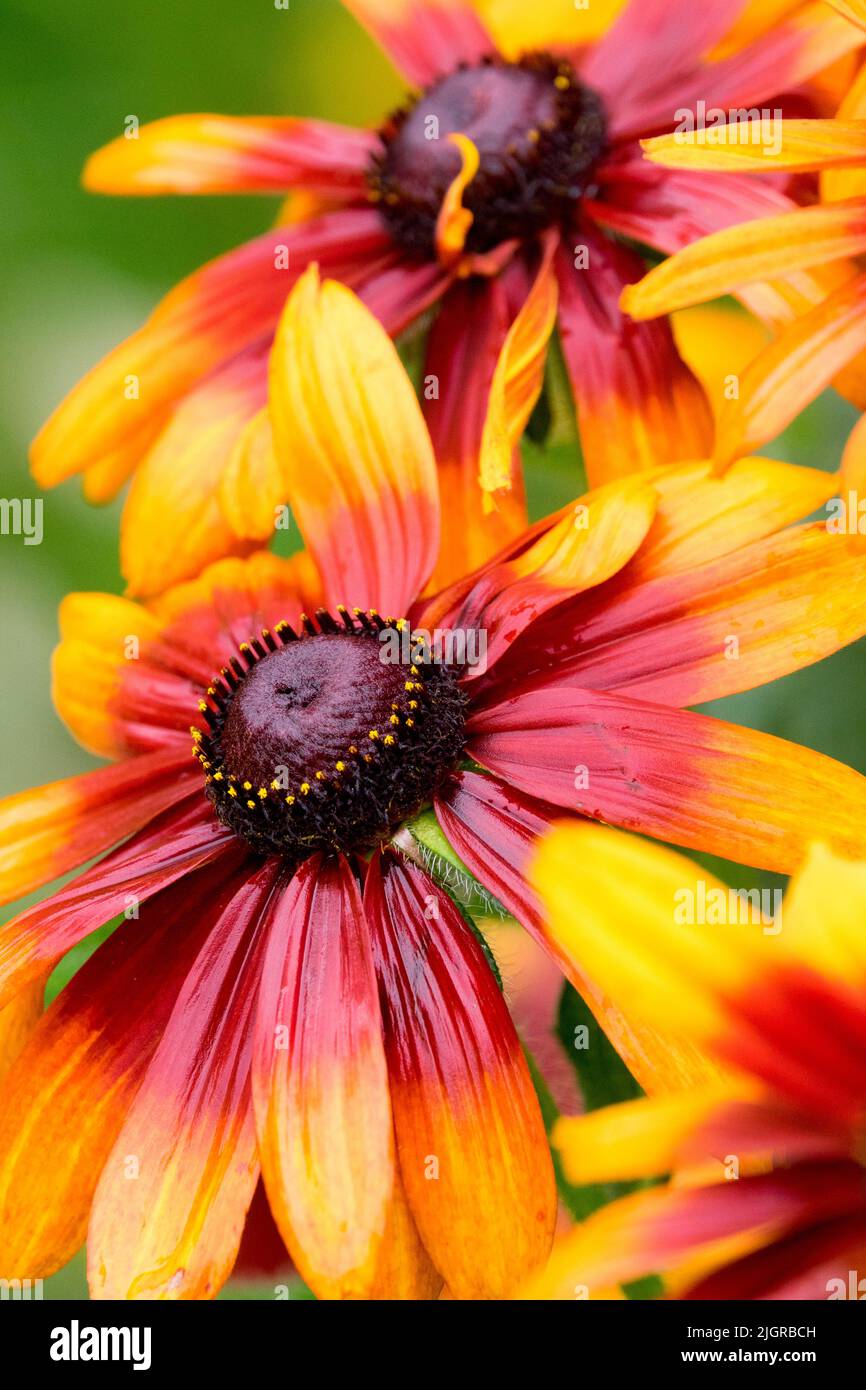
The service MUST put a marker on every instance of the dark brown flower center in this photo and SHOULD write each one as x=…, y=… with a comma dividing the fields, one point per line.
x=539, y=133
x=329, y=737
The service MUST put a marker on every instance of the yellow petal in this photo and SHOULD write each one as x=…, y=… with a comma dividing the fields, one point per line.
x=516, y=385
x=253, y=485
x=792, y=371
x=839, y=184
x=804, y=145
x=637, y=1139
x=620, y=907
x=760, y=249
x=349, y=433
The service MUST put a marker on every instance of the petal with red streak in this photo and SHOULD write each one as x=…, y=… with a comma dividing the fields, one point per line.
x=320, y=1083
x=471, y=1143
x=350, y=435
x=188, y=1140
x=638, y=404
x=67, y=1098
x=671, y=774
x=174, y=844
x=233, y=154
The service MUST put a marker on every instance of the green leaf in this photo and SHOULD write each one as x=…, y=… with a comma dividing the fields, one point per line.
x=603, y=1076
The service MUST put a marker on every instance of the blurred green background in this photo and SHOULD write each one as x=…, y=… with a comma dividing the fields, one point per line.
x=77, y=272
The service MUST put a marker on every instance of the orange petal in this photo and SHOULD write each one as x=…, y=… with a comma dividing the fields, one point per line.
x=350, y=435
x=172, y=523
x=471, y=1142
x=101, y=635
x=731, y=625
x=232, y=154
x=66, y=1100
x=839, y=184
x=454, y=220
x=757, y=250
x=516, y=384
x=206, y=320
x=17, y=1021
x=792, y=371
x=48, y=830
x=855, y=10
x=169, y=1209
x=463, y=348
x=702, y=515
x=253, y=487
x=804, y=145
x=715, y=340
x=320, y=1084
x=594, y=540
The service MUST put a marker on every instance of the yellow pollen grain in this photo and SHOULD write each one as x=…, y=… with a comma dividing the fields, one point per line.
x=233, y=791
x=263, y=791
x=305, y=788
x=248, y=786
x=389, y=739
x=340, y=766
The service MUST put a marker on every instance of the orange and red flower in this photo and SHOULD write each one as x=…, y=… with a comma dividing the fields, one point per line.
x=293, y=991
x=519, y=205
x=770, y=1193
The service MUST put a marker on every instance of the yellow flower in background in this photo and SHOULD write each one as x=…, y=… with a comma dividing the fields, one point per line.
x=770, y=1200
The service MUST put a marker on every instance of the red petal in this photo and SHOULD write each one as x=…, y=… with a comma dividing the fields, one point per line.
x=171, y=1228
x=424, y=39
x=320, y=1083
x=675, y=775
x=473, y=1152
x=638, y=404
x=67, y=1098
x=173, y=845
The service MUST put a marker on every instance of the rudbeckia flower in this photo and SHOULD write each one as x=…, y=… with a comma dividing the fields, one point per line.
x=770, y=1200
x=294, y=991
x=503, y=193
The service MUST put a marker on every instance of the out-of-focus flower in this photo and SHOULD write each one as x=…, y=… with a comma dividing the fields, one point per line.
x=770, y=1200
x=500, y=194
